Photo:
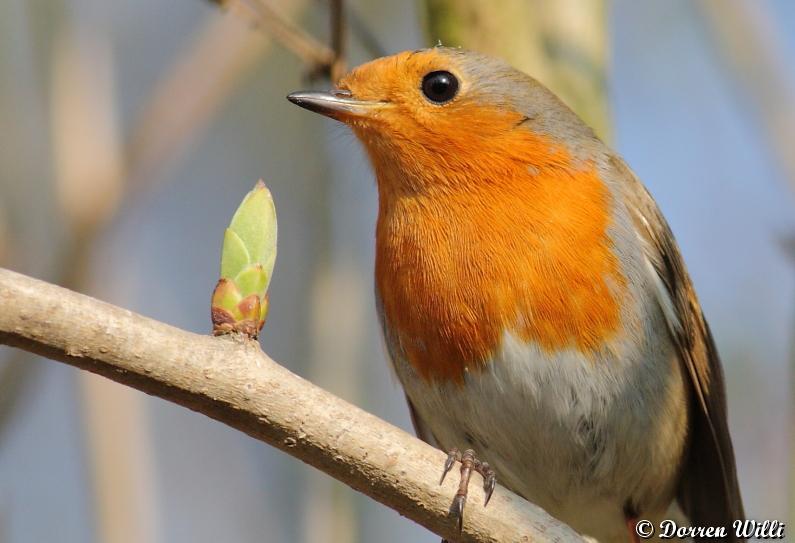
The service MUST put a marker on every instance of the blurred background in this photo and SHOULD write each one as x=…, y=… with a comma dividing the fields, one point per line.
x=131, y=129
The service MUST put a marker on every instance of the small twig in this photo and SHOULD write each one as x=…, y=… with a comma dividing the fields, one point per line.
x=291, y=36
x=233, y=381
x=322, y=60
x=337, y=40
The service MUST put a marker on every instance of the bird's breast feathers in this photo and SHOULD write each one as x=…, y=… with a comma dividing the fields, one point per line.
x=529, y=255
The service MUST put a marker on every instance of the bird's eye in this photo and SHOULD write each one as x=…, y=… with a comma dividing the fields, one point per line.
x=439, y=87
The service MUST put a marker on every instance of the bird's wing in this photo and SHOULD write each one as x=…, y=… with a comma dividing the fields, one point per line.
x=708, y=492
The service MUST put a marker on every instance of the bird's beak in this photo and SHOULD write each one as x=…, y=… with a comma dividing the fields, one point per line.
x=337, y=104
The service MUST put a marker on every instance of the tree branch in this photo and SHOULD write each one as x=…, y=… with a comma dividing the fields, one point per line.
x=233, y=381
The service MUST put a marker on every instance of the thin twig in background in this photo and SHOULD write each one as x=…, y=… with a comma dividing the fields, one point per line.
x=234, y=382
x=338, y=34
x=204, y=75
x=291, y=36
x=321, y=61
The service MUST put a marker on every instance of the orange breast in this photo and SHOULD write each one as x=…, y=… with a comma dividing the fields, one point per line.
x=508, y=247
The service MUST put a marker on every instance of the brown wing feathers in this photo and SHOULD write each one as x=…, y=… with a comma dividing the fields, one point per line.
x=709, y=492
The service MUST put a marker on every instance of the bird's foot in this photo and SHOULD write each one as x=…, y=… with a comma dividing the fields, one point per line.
x=469, y=463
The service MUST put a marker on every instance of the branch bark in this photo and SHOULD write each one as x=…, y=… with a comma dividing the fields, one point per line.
x=233, y=381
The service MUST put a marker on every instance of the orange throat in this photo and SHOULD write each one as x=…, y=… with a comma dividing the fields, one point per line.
x=459, y=266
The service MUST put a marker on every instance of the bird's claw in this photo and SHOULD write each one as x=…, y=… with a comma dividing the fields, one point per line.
x=469, y=463
x=452, y=457
x=489, y=481
x=457, y=510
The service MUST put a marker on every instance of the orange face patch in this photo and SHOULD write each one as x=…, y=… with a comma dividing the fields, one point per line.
x=479, y=236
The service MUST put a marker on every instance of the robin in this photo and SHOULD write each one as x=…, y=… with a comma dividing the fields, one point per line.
x=533, y=300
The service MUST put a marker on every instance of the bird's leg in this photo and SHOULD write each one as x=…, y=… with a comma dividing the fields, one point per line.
x=469, y=463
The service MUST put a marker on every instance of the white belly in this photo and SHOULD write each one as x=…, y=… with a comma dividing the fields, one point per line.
x=581, y=437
